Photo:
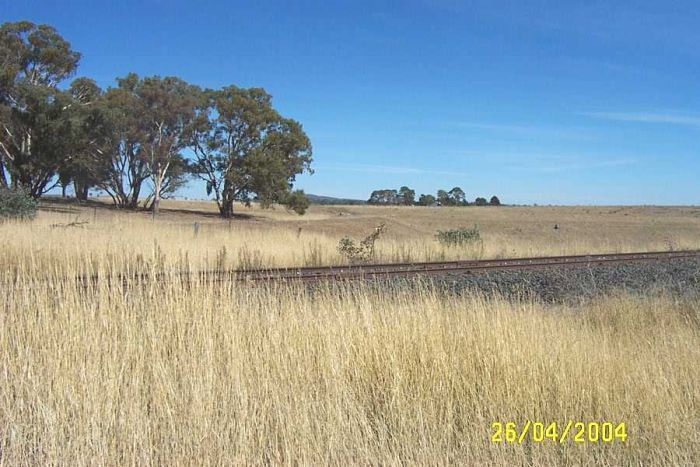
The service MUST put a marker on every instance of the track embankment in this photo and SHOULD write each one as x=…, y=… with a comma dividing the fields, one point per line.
x=369, y=271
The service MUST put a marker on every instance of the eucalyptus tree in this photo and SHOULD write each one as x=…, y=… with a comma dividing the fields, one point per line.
x=91, y=139
x=385, y=196
x=457, y=196
x=426, y=200
x=166, y=111
x=127, y=168
x=34, y=112
x=152, y=119
x=407, y=196
x=444, y=198
x=243, y=148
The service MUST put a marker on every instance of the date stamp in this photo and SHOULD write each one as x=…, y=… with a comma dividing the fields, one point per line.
x=554, y=432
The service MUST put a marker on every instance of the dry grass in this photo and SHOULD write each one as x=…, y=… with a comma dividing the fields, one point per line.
x=168, y=373
x=211, y=375
x=118, y=241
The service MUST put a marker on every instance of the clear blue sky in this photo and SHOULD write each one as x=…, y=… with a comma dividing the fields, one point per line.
x=537, y=102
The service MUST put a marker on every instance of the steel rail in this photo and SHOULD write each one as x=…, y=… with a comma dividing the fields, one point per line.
x=367, y=271
x=463, y=267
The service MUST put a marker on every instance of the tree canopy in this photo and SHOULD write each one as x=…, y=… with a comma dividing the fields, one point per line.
x=35, y=114
x=385, y=196
x=153, y=129
x=406, y=196
x=426, y=200
x=244, y=147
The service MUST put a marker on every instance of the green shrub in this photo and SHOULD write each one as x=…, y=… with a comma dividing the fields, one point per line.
x=16, y=204
x=296, y=201
x=458, y=236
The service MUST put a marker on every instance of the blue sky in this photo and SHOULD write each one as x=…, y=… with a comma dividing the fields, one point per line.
x=558, y=102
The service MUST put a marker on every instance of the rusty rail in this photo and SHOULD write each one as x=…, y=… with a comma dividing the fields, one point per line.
x=312, y=274
x=368, y=271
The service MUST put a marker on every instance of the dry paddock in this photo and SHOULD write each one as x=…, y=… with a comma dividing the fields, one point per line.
x=203, y=373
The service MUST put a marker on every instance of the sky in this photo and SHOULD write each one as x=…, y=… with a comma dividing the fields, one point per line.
x=547, y=102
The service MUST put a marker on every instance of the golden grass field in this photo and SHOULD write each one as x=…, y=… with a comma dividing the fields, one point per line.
x=175, y=374
x=119, y=241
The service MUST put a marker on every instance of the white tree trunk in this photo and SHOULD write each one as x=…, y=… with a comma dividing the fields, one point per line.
x=157, y=185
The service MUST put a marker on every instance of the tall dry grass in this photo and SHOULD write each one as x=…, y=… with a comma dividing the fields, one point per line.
x=172, y=374
x=175, y=373
x=119, y=242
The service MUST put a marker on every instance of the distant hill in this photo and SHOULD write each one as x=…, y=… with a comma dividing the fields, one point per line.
x=318, y=199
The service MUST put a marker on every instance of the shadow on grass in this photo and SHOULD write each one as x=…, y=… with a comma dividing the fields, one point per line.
x=208, y=214
x=71, y=205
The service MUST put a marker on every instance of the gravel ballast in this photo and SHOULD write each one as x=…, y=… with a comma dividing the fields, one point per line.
x=572, y=284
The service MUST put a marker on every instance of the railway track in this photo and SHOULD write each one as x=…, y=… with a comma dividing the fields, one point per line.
x=313, y=274
x=369, y=271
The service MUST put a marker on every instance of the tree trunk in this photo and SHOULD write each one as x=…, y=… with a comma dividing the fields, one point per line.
x=35, y=189
x=158, y=185
x=132, y=200
x=3, y=178
x=226, y=209
x=226, y=202
x=81, y=190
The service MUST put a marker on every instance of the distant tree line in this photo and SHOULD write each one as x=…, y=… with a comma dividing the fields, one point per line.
x=141, y=139
x=329, y=200
x=405, y=196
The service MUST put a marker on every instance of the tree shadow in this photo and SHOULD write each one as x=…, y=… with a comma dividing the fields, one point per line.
x=208, y=214
x=71, y=205
x=59, y=209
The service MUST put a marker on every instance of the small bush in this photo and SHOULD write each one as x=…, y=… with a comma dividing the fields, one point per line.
x=458, y=236
x=17, y=204
x=362, y=252
x=296, y=201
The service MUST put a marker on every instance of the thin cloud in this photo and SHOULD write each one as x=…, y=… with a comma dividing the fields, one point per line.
x=526, y=130
x=648, y=117
x=538, y=164
x=385, y=169
x=575, y=166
